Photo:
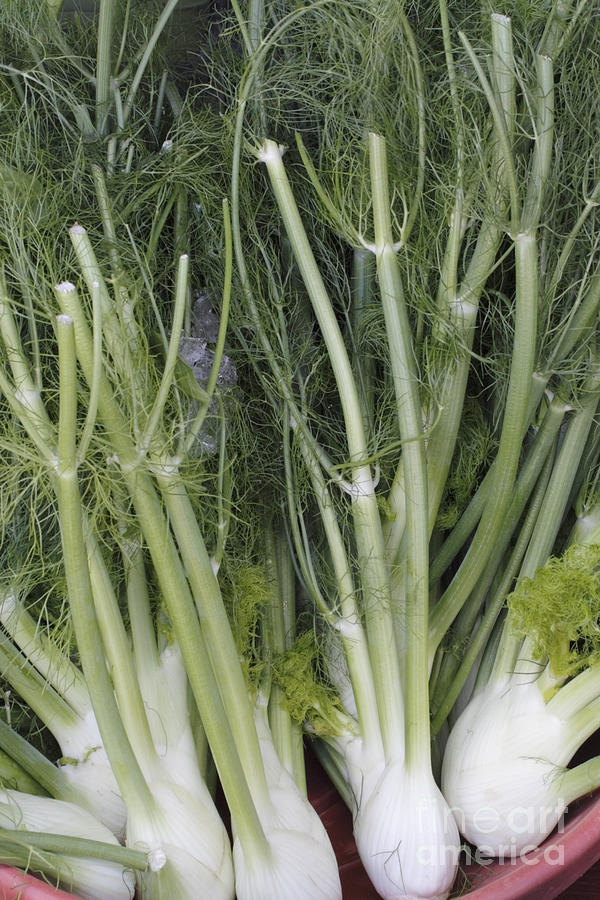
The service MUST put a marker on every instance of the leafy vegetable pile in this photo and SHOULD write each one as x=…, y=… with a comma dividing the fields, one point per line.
x=299, y=387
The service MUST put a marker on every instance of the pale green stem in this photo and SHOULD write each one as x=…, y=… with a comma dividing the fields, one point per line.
x=106, y=19
x=92, y=404
x=363, y=279
x=348, y=624
x=119, y=319
x=154, y=419
x=467, y=523
x=243, y=27
x=334, y=765
x=503, y=69
x=295, y=520
x=52, y=709
x=410, y=425
x=12, y=775
x=577, y=693
x=118, y=654
x=216, y=629
x=509, y=448
x=124, y=34
x=156, y=229
x=581, y=322
x=176, y=592
x=160, y=99
x=148, y=50
x=560, y=20
x=462, y=312
x=49, y=777
x=120, y=125
x=106, y=217
x=543, y=146
x=224, y=493
x=561, y=483
x=133, y=787
x=174, y=99
x=54, y=665
x=485, y=671
x=367, y=524
x=279, y=620
x=584, y=778
x=256, y=17
x=143, y=636
x=25, y=397
x=503, y=135
x=394, y=527
x=68, y=845
x=494, y=603
x=463, y=529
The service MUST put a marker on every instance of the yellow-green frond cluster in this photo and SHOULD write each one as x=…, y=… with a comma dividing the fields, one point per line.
x=560, y=609
x=249, y=593
x=308, y=699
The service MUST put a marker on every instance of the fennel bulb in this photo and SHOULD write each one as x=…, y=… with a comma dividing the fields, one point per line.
x=55, y=689
x=405, y=832
x=300, y=862
x=503, y=766
x=90, y=878
x=504, y=770
x=183, y=834
x=296, y=868
x=90, y=773
x=186, y=842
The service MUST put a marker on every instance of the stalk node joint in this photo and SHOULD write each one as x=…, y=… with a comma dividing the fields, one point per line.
x=157, y=859
x=270, y=152
x=65, y=287
x=28, y=397
x=348, y=628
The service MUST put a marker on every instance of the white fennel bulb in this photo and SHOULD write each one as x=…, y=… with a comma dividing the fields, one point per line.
x=300, y=863
x=503, y=767
x=89, y=878
x=56, y=690
x=85, y=765
x=164, y=689
x=504, y=771
x=186, y=842
x=406, y=835
x=296, y=868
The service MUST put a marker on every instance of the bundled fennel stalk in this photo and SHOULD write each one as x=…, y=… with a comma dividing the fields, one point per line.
x=141, y=702
x=159, y=746
x=117, y=444
x=376, y=313
x=274, y=827
x=380, y=747
x=534, y=700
